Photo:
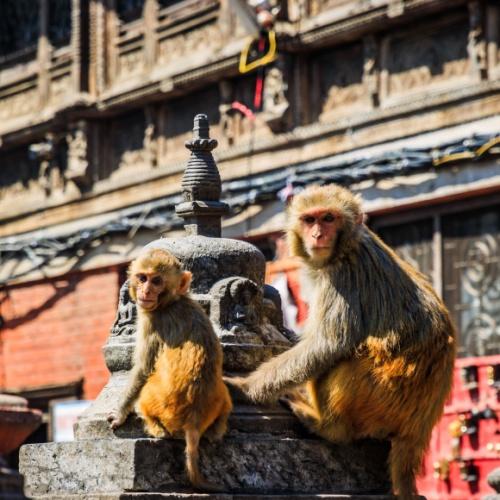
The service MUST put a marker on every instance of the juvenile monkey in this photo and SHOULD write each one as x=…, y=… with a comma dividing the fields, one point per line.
x=177, y=371
x=378, y=348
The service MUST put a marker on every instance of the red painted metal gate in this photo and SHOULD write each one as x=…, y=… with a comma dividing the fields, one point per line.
x=465, y=445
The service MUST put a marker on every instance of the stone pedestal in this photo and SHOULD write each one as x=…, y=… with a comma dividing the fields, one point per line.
x=260, y=465
x=266, y=453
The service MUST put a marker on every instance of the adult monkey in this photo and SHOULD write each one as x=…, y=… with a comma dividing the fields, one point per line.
x=378, y=347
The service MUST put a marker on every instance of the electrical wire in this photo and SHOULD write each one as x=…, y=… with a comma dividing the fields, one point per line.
x=239, y=194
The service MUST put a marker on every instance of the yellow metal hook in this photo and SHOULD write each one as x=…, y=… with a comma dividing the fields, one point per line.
x=267, y=58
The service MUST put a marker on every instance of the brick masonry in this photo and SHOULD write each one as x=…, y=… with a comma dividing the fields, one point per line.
x=54, y=331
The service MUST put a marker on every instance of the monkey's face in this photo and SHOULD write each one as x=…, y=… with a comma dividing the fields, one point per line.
x=319, y=232
x=156, y=280
x=148, y=287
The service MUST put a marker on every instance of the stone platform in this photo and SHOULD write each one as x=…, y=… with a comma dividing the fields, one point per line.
x=265, y=454
x=264, y=465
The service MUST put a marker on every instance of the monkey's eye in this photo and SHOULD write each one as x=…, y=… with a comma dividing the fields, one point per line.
x=309, y=219
x=157, y=281
x=328, y=217
x=142, y=278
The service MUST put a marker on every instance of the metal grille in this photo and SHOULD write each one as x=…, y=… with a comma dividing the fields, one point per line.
x=471, y=278
x=469, y=267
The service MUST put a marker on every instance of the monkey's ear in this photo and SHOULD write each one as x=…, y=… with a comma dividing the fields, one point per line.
x=360, y=218
x=295, y=244
x=132, y=291
x=184, y=282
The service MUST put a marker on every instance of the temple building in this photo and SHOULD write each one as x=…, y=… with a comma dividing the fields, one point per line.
x=398, y=100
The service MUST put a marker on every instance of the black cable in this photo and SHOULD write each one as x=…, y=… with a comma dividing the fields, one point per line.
x=241, y=193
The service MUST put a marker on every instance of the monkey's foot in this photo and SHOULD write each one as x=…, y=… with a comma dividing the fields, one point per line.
x=155, y=429
x=215, y=434
x=301, y=409
x=116, y=419
x=291, y=400
x=289, y=404
x=157, y=433
x=205, y=486
x=285, y=401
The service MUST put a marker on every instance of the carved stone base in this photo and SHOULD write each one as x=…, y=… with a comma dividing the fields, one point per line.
x=261, y=465
x=265, y=452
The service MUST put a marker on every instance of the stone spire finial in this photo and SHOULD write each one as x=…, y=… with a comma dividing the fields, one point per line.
x=201, y=185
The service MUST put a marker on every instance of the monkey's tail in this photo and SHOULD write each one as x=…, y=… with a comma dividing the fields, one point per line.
x=405, y=460
x=192, y=459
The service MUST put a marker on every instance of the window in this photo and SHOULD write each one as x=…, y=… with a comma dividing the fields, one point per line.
x=460, y=252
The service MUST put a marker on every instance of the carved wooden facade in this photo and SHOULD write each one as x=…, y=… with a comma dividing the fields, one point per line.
x=99, y=95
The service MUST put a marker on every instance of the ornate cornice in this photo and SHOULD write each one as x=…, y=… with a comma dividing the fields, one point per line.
x=329, y=27
x=274, y=152
x=324, y=29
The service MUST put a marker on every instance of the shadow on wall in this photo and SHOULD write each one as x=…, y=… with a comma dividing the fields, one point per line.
x=60, y=291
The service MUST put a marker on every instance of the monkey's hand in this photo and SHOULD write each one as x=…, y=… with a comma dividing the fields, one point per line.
x=260, y=392
x=116, y=418
x=238, y=382
x=247, y=386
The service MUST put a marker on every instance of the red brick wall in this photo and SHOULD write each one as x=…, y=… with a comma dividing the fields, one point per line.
x=54, y=331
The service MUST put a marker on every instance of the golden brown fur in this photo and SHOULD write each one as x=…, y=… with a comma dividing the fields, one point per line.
x=177, y=371
x=378, y=348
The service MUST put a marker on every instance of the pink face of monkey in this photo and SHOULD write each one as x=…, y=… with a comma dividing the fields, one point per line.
x=156, y=279
x=148, y=288
x=319, y=228
x=154, y=289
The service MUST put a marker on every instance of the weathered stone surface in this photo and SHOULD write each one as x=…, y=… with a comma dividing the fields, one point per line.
x=241, y=357
x=211, y=262
x=261, y=465
x=245, y=419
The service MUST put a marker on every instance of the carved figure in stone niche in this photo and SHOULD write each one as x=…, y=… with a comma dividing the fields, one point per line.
x=236, y=309
x=145, y=155
x=242, y=315
x=275, y=103
x=50, y=178
x=226, y=111
x=476, y=45
x=177, y=372
x=150, y=145
x=45, y=178
x=370, y=70
x=78, y=164
x=273, y=328
x=126, y=314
